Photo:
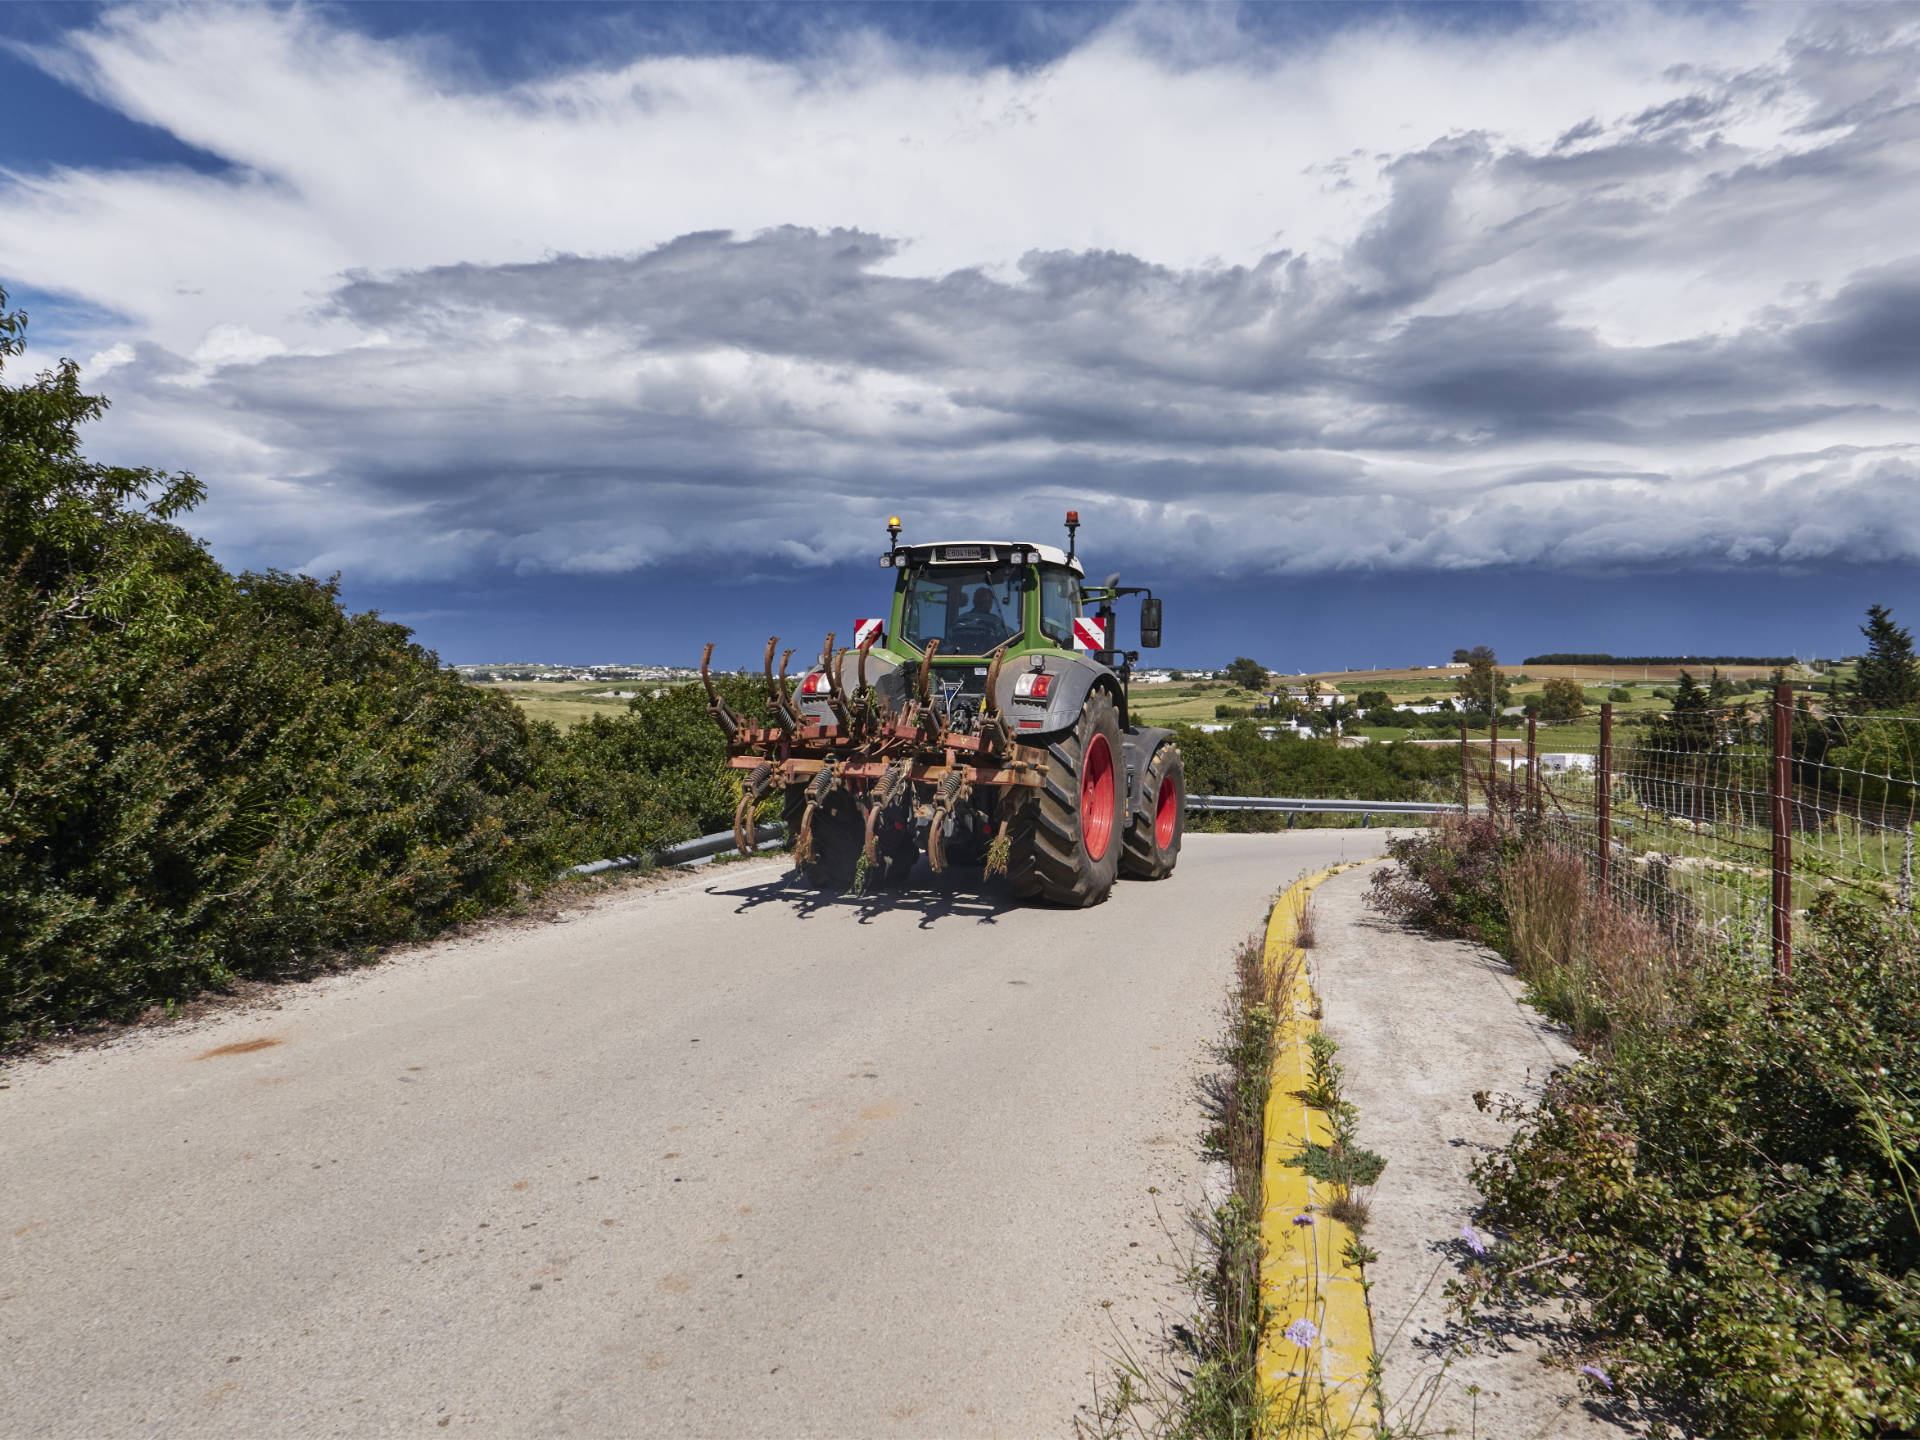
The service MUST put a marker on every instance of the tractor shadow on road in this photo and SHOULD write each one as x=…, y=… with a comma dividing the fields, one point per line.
x=955, y=895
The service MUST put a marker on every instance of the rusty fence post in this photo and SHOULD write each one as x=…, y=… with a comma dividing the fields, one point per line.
x=1603, y=794
x=1533, y=770
x=1493, y=756
x=1781, y=786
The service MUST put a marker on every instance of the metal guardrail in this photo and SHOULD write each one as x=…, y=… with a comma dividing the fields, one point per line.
x=765, y=838
x=1287, y=806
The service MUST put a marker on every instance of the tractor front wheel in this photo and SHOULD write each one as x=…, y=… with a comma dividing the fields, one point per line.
x=1153, y=839
x=1068, y=838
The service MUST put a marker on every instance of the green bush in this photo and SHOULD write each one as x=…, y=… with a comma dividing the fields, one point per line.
x=209, y=776
x=1240, y=761
x=1733, y=1196
x=1447, y=878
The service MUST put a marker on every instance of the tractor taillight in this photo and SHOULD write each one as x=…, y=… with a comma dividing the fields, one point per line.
x=1032, y=685
x=814, y=684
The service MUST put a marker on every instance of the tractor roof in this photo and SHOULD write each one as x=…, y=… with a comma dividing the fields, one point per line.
x=976, y=552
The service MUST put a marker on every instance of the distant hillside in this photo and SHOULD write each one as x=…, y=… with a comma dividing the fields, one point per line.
x=1571, y=659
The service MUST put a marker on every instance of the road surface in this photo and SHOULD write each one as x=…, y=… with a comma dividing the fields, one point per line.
x=714, y=1158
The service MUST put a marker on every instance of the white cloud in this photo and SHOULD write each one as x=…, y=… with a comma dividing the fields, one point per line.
x=1573, y=293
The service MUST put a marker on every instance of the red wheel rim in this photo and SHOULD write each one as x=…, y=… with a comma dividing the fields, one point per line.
x=1096, y=796
x=1166, y=815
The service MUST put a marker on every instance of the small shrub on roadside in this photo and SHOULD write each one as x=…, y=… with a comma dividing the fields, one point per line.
x=1447, y=878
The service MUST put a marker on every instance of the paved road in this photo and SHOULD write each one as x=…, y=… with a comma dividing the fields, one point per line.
x=710, y=1159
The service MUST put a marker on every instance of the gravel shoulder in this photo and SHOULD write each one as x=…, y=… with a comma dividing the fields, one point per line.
x=1422, y=1024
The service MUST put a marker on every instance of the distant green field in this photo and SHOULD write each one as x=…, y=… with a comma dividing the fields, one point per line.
x=567, y=702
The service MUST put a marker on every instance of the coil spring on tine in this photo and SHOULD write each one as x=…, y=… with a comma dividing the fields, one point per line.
x=888, y=784
x=822, y=785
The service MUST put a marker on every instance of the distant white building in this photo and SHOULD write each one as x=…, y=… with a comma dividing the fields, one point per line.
x=1329, y=696
x=1560, y=763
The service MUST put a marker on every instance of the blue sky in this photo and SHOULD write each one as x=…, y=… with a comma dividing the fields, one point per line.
x=588, y=331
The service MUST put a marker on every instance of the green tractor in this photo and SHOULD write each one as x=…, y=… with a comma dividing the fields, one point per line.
x=983, y=720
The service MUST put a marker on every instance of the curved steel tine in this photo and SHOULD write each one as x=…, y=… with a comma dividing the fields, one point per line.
x=777, y=692
x=785, y=701
x=836, y=691
x=926, y=670
x=717, y=706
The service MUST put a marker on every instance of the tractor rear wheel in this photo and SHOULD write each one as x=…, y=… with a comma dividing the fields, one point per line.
x=838, y=835
x=1067, y=839
x=1153, y=839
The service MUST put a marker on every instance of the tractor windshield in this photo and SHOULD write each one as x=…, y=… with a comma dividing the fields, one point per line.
x=969, y=609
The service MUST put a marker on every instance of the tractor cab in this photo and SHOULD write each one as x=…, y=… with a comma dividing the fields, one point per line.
x=977, y=596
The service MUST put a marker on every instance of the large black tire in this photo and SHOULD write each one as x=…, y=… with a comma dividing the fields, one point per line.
x=1067, y=839
x=839, y=834
x=1153, y=839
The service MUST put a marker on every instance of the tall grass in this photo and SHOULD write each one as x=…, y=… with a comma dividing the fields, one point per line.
x=1598, y=966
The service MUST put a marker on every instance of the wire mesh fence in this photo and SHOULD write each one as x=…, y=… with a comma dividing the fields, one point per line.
x=1726, y=823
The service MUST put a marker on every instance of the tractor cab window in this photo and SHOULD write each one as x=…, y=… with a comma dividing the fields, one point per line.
x=1059, y=604
x=969, y=609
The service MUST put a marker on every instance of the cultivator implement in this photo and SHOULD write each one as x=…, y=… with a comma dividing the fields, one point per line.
x=895, y=751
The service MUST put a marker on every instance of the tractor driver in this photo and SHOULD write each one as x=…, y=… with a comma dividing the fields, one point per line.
x=981, y=629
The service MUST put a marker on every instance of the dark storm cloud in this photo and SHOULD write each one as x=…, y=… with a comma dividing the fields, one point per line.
x=1870, y=333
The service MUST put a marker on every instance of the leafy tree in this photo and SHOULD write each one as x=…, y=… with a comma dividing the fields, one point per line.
x=1687, y=695
x=1248, y=674
x=1483, y=687
x=1887, y=676
x=1619, y=695
x=84, y=534
x=1719, y=690
x=1373, y=700
x=1562, y=699
x=1382, y=715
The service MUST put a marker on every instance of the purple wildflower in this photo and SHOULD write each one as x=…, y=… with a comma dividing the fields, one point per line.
x=1303, y=1332
x=1303, y=1218
x=1474, y=1242
x=1598, y=1374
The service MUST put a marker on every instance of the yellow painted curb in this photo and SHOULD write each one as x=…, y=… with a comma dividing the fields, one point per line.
x=1319, y=1389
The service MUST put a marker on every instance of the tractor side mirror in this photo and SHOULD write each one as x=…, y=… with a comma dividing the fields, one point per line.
x=1150, y=623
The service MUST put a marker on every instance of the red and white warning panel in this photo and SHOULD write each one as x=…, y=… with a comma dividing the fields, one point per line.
x=1090, y=633
x=868, y=632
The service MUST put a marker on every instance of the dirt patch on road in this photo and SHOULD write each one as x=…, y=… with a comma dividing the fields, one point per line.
x=242, y=1047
